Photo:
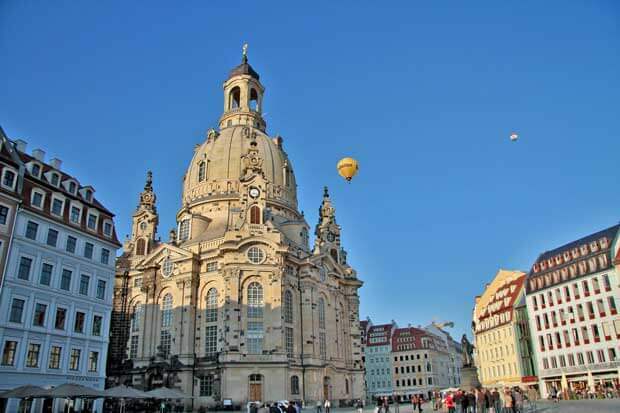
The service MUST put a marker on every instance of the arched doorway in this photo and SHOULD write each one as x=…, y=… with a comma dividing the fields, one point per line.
x=326, y=387
x=256, y=388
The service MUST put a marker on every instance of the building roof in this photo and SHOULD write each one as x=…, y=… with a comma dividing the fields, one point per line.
x=587, y=255
x=411, y=338
x=379, y=335
x=244, y=69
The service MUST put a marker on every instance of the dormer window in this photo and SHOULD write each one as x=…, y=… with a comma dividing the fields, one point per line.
x=107, y=228
x=37, y=198
x=72, y=187
x=54, y=179
x=75, y=215
x=8, y=179
x=57, y=206
x=35, y=170
x=88, y=195
x=91, y=223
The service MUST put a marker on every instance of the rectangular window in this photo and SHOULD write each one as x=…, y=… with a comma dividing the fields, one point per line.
x=46, y=274
x=8, y=353
x=52, y=237
x=71, y=244
x=580, y=359
x=92, y=221
x=57, y=205
x=571, y=360
x=133, y=347
x=107, y=229
x=32, y=357
x=105, y=256
x=17, y=310
x=600, y=355
x=255, y=337
x=97, y=325
x=322, y=345
x=210, y=340
x=101, y=289
x=78, y=327
x=4, y=214
x=74, y=360
x=212, y=266
x=61, y=316
x=84, y=281
x=38, y=319
x=23, y=272
x=137, y=282
x=75, y=214
x=206, y=386
x=65, y=280
x=37, y=199
x=93, y=361
x=88, y=250
x=612, y=354
x=164, y=342
x=31, y=230
x=54, y=361
x=289, y=341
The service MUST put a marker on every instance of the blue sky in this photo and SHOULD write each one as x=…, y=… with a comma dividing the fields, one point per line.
x=423, y=94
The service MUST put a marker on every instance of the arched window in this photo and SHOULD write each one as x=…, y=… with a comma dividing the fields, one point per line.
x=255, y=300
x=255, y=215
x=211, y=313
x=184, y=230
x=254, y=100
x=136, y=318
x=294, y=385
x=321, y=313
x=166, y=311
x=288, y=307
x=234, y=98
x=254, y=337
x=141, y=246
x=202, y=171
x=334, y=254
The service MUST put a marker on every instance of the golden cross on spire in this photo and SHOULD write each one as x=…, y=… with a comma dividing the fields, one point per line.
x=245, y=50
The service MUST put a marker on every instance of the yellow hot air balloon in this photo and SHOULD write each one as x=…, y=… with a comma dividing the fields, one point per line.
x=347, y=168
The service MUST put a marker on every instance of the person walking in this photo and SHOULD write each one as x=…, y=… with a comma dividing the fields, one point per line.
x=328, y=406
x=379, y=407
x=495, y=398
x=518, y=400
x=319, y=406
x=386, y=405
x=420, y=400
x=360, y=406
x=508, y=402
x=532, y=397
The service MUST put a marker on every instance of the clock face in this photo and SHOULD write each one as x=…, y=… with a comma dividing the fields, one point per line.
x=143, y=225
x=331, y=236
x=146, y=197
x=254, y=192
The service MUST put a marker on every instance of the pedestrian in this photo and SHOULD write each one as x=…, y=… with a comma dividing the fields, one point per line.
x=420, y=400
x=464, y=403
x=496, y=401
x=360, y=406
x=508, y=401
x=379, y=407
x=471, y=402
x=554, y=394
x=319, y=406
x=449, y=402
x=386, y=405
x=328, y=406
x=518, y=400
x=396, y=406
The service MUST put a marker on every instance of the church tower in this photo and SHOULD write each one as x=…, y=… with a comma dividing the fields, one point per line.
x=327, y=231
x=145, y=220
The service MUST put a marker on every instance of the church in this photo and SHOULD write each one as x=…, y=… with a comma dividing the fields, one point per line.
x=237, y=306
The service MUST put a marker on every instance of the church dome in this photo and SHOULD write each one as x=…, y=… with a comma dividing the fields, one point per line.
x=217, y=167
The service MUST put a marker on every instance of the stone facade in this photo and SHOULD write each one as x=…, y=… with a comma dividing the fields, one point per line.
x=237, y=305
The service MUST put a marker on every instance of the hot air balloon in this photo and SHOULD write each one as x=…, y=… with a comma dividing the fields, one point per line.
x=514, y=137
x=347, y=168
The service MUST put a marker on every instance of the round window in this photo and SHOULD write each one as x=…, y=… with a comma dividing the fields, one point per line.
x=166, y=267
x=256, y=255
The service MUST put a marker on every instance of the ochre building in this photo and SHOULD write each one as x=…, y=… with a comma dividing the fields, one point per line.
x=237, y=304
x=496, y=337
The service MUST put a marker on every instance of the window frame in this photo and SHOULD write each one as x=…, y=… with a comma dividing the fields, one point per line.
x=6, y=169
x=37, y=191
x=62, y=199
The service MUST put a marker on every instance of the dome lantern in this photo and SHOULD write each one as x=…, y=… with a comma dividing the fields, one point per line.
x=243, y=97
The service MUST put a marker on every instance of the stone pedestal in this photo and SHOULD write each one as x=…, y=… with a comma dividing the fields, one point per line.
x=469, y=378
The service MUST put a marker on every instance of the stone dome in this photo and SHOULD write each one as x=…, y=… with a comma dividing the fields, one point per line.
x=217, y=167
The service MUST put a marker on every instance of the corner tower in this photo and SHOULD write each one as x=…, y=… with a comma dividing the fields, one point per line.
x=243, y=97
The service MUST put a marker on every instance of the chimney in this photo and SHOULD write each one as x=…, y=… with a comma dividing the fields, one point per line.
x=55, y=163
x=38, y=154
x=21, y=145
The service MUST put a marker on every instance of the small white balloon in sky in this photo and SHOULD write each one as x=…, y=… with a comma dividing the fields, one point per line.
x=514, y=137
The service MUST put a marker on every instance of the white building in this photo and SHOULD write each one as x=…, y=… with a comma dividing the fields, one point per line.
x=56, y=296
x=455, y=354
x=572, y=294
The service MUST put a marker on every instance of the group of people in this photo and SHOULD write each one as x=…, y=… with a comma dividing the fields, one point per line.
x=274, y=407
x=508, y=400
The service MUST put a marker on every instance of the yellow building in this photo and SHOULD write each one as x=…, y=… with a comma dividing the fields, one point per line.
x=495, y=330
